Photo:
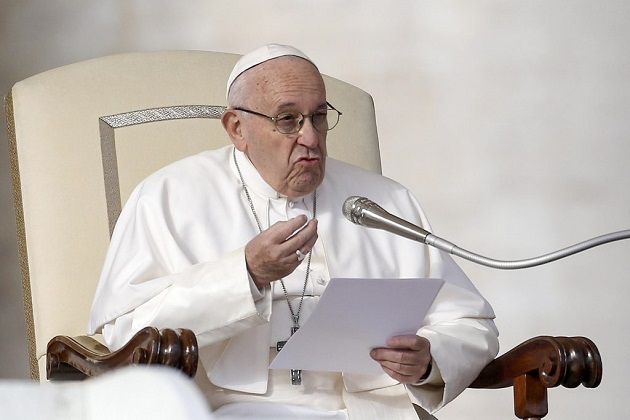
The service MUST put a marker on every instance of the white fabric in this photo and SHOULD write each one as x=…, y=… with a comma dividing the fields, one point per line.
x=260, y=55
x=128, y=393
x=177, y=260
x=267, y=411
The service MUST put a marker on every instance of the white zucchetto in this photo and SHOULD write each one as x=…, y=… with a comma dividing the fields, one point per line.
x=260, y=55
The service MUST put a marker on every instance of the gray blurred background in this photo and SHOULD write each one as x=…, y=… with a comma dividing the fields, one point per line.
x=508, y=120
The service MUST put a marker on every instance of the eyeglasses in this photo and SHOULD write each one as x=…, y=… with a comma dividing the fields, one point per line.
x=292, y=122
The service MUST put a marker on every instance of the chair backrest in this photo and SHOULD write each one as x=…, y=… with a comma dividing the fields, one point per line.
x=76, y=154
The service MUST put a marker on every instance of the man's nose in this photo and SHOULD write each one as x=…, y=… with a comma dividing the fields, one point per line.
x=307, y=135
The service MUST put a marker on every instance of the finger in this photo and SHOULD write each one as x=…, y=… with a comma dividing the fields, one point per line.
x=279, y=232
x=397, y=356
x=308, y=246
x=296, y=225
x=411, y=342
x=304, y=240
x=403, y=370
x=405, y=366
x=403, y=378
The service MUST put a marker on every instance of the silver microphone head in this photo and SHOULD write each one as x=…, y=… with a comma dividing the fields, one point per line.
x=354, y=206
x=364, y=212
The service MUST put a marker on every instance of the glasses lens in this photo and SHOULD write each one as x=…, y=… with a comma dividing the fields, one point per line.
x=322, y=121
x=288, y=123
x=332, y=119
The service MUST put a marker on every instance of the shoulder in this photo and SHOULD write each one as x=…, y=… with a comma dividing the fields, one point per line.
x=345, y=176
x=344, y=181
x=208, y=167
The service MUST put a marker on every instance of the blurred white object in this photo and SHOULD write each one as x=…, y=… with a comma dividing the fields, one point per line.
x=136, y=392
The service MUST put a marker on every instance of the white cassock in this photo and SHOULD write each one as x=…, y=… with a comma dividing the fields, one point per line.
x=177, y=260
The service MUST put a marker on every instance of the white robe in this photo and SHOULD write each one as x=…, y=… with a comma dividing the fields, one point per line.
x=176, y=260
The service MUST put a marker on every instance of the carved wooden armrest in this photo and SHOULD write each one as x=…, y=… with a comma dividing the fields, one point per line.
x=83, y=356
x=541, y=363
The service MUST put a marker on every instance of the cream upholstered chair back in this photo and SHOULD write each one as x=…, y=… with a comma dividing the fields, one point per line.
x=83, y=135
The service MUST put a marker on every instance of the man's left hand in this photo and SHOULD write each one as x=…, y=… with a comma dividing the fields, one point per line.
x=406, y=357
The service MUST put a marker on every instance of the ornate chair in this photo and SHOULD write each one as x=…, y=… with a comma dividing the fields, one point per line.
x=82, y=136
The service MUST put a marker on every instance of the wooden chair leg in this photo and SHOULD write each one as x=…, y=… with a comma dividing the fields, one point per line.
x=530, y=397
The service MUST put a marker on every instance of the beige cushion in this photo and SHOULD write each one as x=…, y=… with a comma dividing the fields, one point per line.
x=58, y=163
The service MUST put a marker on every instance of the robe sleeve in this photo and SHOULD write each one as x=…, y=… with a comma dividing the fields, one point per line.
x=463, y=342
x=161, y=272
x=460, y=350
x=214, y=310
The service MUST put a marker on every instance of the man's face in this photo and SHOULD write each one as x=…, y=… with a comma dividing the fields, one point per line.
x=292, y=164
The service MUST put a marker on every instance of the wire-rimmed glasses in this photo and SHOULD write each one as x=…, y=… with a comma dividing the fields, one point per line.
x=291, y=122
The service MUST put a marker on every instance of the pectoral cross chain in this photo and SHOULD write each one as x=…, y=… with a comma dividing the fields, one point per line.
x=296, y=375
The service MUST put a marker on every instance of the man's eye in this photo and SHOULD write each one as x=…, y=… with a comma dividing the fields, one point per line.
x=320, y=117
x=286, y=118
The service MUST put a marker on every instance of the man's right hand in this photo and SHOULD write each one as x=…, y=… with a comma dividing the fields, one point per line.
x=270, y=256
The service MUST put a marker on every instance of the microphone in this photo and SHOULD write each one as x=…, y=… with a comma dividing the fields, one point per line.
x=365, y=212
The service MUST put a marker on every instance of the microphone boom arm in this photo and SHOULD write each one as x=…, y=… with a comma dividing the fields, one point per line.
x=453, y=249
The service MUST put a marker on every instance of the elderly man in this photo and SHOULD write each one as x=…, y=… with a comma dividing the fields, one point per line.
x=239, y=243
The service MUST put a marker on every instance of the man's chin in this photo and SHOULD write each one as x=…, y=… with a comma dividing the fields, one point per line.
x=306, y=184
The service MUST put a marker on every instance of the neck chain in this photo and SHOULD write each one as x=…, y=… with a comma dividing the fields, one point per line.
x=294, y=315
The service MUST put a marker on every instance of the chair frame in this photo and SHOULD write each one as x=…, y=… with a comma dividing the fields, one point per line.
x=21, y=236
x=531, y=368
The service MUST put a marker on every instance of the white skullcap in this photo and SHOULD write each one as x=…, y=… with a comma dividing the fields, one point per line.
x=260, y=55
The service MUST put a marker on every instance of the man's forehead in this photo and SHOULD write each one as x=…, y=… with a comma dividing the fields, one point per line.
x=286, y=83
x=262, y=55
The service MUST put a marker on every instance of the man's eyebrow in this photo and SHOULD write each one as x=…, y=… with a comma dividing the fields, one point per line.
x=284, y=106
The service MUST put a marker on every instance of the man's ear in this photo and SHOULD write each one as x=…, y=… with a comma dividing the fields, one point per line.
x=232, y=124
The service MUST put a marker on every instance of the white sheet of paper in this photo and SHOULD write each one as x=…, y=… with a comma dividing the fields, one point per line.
x=354, y=316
